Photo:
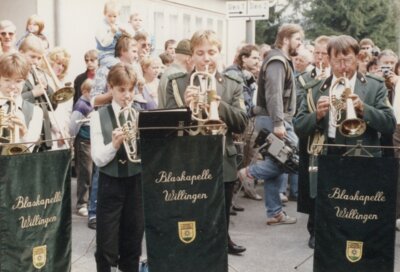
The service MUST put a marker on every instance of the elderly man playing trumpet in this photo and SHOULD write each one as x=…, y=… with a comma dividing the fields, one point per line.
x=319, y=118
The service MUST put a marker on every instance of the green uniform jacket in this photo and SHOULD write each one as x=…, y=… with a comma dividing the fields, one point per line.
x=378, y=115
x=231, y=110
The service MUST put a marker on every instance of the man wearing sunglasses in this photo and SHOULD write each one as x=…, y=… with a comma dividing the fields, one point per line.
x=7, y=36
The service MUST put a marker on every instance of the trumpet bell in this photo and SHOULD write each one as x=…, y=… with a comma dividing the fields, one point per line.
x=14, y=149
x=352, y=127
x=62, y=95
x=214, y=127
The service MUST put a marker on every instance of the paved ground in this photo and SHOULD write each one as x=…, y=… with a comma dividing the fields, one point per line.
x=269, y=248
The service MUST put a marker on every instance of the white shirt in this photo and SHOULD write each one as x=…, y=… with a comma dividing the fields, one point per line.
x=337, y=92
x=101, y=154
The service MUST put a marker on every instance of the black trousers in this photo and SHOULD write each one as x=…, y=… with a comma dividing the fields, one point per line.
x=84, y=169
x=120, y=223
x=228, y=190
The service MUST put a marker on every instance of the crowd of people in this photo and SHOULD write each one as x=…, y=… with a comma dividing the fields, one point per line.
x=265, y=88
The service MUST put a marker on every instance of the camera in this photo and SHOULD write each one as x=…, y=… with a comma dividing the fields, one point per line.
x=282, y=152
x=386, y=70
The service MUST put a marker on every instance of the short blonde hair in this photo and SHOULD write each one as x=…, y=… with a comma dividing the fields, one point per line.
x=14, y=64
x=146, y=62
x=32, y=43
x=59, y=55
x=204, y=35
x=35, y=19
x=92, y=53
x=86, y=85
x=111, y=5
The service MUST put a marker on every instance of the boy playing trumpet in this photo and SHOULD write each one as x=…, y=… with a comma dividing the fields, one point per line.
x=24, y=118
x=120, y=223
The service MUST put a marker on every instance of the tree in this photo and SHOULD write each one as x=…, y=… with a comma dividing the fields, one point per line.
x=358, y=18
x=374, y=19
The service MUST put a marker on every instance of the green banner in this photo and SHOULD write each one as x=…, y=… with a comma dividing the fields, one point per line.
x=355, y=214
x=35, y=212
x=184, y=204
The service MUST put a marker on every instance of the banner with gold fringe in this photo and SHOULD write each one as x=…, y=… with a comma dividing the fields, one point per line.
x=355, y=214
x=35, y=212
x=184, y=204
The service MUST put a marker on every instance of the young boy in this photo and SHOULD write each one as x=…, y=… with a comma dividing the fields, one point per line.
x=36, y=85
x=108, y=33
x=120, y=223
x=80, y=129
x=206, y=49
x=28, y=118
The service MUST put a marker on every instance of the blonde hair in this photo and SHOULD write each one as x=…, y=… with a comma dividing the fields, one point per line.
x=32, y=43
x=86, y=85
x=14, y=64
x=111, y=5
x=146, y=62
x=204, y=35
x=35, y=19
x=134, y=15
x=92, y=53
x=59, y=55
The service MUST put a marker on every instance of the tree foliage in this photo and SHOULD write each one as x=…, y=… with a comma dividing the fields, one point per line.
x=374, y=19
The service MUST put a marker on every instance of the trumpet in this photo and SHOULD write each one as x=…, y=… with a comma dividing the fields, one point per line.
x=204, y=106
x=323, y=74
x=8, y=135
x=131, y=132
x=351, y=126
x=61, y=94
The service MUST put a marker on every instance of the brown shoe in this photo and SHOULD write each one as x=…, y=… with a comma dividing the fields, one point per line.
x=281, y=218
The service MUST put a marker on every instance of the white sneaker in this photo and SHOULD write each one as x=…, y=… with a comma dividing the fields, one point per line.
x=248, y=184
x=283, y=198
x=398, y=224
x=83, y=212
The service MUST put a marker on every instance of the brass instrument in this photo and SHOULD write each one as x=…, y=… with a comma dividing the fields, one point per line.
x=61, y=94
x=36, y=82
x=13, y=138
x=131, y=132
x=204, y=106
x=323, y=74
x=351, y=126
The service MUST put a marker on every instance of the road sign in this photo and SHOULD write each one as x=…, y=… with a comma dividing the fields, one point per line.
x=248, y=9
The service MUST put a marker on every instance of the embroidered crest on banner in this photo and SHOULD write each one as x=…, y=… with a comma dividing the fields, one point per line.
x=187, y=231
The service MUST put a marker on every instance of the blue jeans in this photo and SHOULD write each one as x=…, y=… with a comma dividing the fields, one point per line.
x=294, y=184
x=268, y=170
x=93, y=193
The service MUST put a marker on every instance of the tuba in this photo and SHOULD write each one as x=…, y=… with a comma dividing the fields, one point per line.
x=131, y=132
x=204, y=106
x=351, y=126
x=8, y=135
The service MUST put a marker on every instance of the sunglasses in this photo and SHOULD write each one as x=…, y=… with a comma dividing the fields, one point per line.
x=5, y=34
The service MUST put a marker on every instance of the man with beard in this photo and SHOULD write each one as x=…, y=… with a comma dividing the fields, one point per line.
x=276, y=105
